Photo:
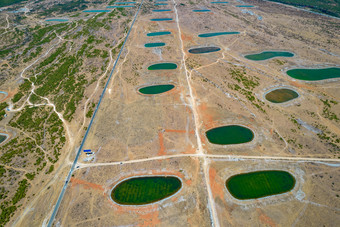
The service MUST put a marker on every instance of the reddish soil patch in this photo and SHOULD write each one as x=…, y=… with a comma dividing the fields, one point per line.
x=265, y=219
x=216, y=183
x=85, y=184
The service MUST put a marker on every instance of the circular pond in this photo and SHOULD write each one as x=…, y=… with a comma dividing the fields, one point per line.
x=281, y=95
x=314, y=74
x=162, y=66
x=145, y=190
x=230, y=134
x=260, y=184
x=265, y=55
x=203, y=50
x=156, y=89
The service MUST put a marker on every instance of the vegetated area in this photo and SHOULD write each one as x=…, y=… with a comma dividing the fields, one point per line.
x=330, y=7
x=66, y=62
x=9, y=2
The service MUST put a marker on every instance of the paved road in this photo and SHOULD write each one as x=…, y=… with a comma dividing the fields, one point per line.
x=61, y=195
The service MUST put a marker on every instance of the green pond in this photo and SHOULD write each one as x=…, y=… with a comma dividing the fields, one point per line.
x=205, y=35
x=161, y=4
x=245, y=6
x=230, y=134
x=260, y=184
x=281, y=95
x=161, y=19
x=219, y=2
x=268, y=54
x=97, y=11
x=203, y=50
x=156, y=89
x=145, y=190
x=2, y=138
x=162, y=66
x=57, y=20
x=314, y=74
x=161, y=10
x=201, y=10
x=158, y=33
x=120, y=6
x=154, y=44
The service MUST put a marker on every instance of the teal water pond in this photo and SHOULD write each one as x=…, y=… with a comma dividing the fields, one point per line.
x=161, y=4
x=161, y=19
x=158, y=33
x=156, y=89
x=122, y=3
x=118, y=7
x=268, y=54
x=56, y=19
x=145, y=190
x=201, y=10
x=3, y=138
x=260, y=184
x=203, y=50
x=161, y=10
x=230, y=134
x=205, y=35
x=281, y=95
x=97, y=11
x=314, y=74
x=154, y=44
x=162, y=66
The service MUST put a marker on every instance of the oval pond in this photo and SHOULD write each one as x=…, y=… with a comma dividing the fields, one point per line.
x=281, y=95
x=314, y=74
x=156, y=89
x=203, y=50
x=158, y=33
x=206, y=35
x=162, y=66
x=260, y=184
x=145, y=190
x=154, y=45
x=230, y=134
x=268, y=54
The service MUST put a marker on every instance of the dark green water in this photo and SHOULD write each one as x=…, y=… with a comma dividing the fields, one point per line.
x=205, y=35
x=268, y=54
x=2, y=138
x=162, y=66
x=161, y=19
x=156, y=89
x=231, y=134
x=161, y=4
x=314, y=74
x=260, y=184
x=203, y=50
x=158, y=33
x=144, y=190
x=154, y=44
x=281, y=95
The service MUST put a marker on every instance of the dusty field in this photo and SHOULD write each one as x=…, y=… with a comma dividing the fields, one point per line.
x=134, y=134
